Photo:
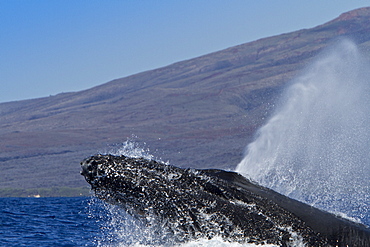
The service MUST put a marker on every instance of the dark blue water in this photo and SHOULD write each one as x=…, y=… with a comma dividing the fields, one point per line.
x=79, y=221
x=48, y=222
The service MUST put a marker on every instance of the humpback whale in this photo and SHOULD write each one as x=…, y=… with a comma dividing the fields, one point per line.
x=190, y=204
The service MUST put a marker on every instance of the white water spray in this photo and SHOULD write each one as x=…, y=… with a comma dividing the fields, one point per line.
x=316, y=146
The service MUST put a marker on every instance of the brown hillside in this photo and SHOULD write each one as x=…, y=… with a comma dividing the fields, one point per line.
x=196, y=113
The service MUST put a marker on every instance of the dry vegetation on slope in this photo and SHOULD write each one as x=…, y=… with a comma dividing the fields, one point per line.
x=196, y=113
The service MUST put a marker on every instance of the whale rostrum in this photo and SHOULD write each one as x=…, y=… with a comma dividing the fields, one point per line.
x=191, y=204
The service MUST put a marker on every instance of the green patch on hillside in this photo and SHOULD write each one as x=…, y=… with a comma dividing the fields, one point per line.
x=45, y=192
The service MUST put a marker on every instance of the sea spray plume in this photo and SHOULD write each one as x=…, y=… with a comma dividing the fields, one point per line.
x=315, y=147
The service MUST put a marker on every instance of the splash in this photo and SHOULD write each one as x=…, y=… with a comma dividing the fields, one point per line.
x=132, y=147
x=316, y=146
x=117, y=228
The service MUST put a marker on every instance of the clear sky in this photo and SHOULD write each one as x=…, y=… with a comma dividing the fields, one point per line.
x=53, y=46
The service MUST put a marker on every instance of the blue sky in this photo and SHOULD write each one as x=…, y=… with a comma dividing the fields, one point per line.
x=53, y=46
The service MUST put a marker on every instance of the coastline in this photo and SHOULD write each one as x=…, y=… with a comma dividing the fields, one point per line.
x=45, y=192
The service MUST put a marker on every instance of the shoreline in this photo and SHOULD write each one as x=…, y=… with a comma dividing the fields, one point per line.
x=62, y=191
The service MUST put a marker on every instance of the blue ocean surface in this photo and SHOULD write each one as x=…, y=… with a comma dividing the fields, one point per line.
x=47, y=222
x=78, y=221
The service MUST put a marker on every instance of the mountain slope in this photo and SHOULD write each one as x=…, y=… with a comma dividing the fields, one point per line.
x=195, y=113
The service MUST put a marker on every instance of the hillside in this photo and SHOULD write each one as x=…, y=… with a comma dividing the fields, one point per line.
x=196, y=113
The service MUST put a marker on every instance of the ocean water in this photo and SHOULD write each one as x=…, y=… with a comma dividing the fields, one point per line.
x=79, y=221
x=47, y=222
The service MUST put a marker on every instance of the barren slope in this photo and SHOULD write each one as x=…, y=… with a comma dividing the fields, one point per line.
x=198, y=113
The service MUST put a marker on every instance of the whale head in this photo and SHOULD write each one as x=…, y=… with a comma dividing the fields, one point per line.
x=178, y=199
x=132, y=183
x=190, y=204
